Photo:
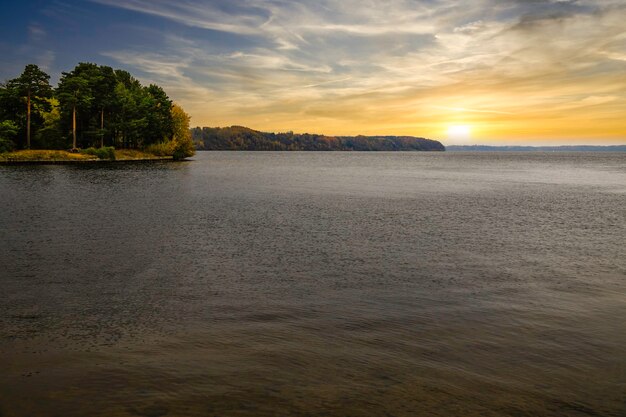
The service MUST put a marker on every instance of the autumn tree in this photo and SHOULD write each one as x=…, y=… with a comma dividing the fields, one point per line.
x=183, y=144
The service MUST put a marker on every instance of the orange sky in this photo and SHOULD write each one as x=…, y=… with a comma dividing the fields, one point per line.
x=502, y=71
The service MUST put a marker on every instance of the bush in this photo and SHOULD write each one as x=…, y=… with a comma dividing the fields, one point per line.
x=8, y=130
x=110, y=150
x=177, y=149
x=183, y=148
x=161, y=149
x=6, y=145
x=106, y=152
x=49, y=137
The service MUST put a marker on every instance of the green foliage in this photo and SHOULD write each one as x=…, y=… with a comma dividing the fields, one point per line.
x=159, y=117
x=50, y=136
x=242, y=138
x=121, y=111
x=107, y=152
x=32, y=81
x=8, y=130
x=183, y=150
x=110, y=107
x=180, y=146
x=165, y=148
x=6, y=145
x=24, y=99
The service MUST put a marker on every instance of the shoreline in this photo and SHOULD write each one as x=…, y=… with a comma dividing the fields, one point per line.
x=59, y=157
x=83, y=161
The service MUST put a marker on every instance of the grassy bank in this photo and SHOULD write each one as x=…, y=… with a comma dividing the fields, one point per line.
x=43, y=155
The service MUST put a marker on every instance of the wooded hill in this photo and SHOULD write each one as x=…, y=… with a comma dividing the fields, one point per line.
x=244, y=139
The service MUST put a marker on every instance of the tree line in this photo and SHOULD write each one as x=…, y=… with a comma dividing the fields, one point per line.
x=243, y=138
x=92, y=106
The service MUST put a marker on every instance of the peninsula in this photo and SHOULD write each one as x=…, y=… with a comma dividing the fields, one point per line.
x=95, y=113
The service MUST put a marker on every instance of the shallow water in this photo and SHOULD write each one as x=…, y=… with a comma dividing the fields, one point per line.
x=316, y=284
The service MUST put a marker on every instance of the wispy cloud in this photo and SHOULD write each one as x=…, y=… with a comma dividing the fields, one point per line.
x=395, y=66
x=36, y=33
x=464, y=109
x=327, y=82
x=203, y=15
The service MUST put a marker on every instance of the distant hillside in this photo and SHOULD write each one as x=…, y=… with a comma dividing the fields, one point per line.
x=240, y=138
x=579, y=148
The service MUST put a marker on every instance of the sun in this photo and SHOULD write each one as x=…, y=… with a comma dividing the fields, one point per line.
x=459, y=133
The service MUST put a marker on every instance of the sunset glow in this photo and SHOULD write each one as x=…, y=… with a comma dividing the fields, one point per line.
x=459, y=134
x=540, y=72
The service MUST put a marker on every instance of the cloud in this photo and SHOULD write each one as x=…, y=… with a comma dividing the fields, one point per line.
x=36, y=33
x=198, y=14
x=381, y=66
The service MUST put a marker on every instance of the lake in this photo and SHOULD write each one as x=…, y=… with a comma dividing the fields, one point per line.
x=316, y=284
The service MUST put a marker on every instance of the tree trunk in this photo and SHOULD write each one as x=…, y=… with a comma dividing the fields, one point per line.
x=28, y=121
x=102, y=128
x=74, y=127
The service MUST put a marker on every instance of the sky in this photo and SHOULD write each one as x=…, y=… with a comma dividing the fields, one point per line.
x=477, y=71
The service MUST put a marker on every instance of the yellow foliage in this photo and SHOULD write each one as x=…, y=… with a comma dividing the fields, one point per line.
x=180, y=121
x=161, y=149
x=131, y=154
x=53, y=155
x=183, y=145
x=44, y=155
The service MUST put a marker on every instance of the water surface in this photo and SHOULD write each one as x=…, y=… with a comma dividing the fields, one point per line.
x=316, y=284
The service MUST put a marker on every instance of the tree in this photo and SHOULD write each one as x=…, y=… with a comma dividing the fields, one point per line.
x=101, y=81
x=159, y=115
x=33, y=86
x=74, y=93
x=130, y=120
x=93, y=102
x=183, y=145
x=104, y=92
x=49, y=136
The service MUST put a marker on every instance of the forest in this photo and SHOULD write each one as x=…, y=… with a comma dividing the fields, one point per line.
x=243, y=138
x=93, y=106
